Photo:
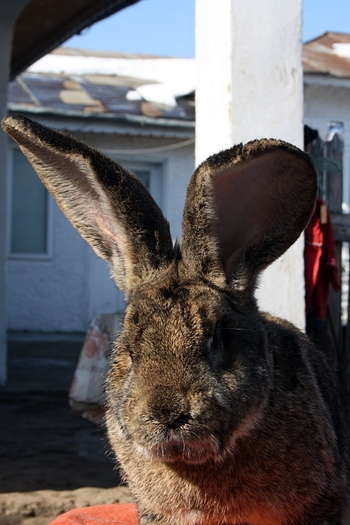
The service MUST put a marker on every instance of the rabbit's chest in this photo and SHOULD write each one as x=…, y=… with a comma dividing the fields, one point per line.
x=245, y=513
x=262, y=516
x=208, y=499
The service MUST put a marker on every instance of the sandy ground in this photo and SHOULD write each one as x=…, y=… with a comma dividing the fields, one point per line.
x=51, y=459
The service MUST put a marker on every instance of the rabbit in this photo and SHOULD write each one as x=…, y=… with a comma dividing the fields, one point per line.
x=218, y=413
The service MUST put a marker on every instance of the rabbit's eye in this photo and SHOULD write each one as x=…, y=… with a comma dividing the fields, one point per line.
x=214, y=347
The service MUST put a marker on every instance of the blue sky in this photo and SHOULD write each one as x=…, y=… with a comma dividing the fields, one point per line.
x=166, y=27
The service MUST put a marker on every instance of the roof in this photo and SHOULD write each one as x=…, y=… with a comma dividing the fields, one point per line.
x=75, y=82
x=138, y=88
x=329, y=54
x=44, y=24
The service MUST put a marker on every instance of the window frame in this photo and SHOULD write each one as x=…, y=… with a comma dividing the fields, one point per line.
x=157, y=174
x=48, y=254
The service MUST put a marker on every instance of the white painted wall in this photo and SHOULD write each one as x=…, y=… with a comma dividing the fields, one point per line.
x=65, y=292
x=50, y=295
x=250, y=86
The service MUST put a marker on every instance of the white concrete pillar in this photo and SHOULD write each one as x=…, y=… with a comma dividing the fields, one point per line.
x=249, y=86
x=9, y=11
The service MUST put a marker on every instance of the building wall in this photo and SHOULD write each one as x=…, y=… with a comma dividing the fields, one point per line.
x=322, y=104
x=50, y=295
x=64, y=292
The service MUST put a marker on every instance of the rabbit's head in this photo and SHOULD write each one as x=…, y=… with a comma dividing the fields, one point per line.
x=190, y=371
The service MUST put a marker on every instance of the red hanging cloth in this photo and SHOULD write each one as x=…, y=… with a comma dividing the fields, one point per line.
x=320, y=261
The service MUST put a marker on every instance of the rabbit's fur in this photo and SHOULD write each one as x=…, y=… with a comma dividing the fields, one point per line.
x=218, y=413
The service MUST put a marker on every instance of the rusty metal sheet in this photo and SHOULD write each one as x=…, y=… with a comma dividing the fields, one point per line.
x=113, y=98
x=47, y=88
x=78, y=93
x=319, y=56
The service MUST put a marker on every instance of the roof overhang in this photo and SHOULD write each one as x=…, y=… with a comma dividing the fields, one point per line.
x=45, y=24
x=326, y=80
x=132, y=125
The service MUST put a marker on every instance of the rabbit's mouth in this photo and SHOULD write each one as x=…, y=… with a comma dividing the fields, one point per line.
x=191, y=452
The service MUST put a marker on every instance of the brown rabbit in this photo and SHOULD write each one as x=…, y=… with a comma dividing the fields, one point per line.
x=218, y=413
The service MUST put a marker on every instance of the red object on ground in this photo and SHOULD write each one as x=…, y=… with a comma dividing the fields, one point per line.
x=116, y=514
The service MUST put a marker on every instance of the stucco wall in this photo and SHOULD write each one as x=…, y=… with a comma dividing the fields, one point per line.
x=66, y=291
x=50, y=295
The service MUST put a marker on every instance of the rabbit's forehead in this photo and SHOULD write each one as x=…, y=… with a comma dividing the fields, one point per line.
x=193, y=308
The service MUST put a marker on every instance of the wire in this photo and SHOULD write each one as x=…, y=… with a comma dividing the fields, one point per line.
x=148, y=150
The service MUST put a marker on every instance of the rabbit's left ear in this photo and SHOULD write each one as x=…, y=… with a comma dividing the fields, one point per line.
x=245, y=206
x=108, y=205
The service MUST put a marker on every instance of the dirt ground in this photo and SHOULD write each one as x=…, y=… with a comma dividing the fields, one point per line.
x=51, y=459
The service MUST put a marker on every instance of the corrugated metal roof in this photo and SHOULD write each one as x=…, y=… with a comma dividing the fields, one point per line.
x=92, y=94
x=328, y=54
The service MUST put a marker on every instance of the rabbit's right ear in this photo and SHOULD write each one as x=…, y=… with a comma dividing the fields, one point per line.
x=245, y=206
x=108, y=205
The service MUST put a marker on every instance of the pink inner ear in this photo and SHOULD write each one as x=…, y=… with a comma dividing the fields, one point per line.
x=242, y=206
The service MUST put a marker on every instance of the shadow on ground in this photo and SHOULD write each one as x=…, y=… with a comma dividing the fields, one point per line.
x=44, y=446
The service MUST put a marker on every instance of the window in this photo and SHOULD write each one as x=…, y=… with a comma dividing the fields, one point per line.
x=29, y=210
x=151, y=174
x=144, y=176
x=31, y=206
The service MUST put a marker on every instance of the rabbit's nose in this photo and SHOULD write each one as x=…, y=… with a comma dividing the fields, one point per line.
x=169, y=409
x=171, y=419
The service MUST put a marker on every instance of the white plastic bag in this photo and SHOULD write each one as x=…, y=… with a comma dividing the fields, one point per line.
x=86, y=394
